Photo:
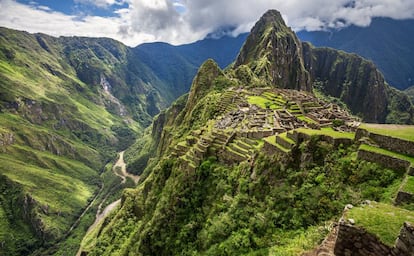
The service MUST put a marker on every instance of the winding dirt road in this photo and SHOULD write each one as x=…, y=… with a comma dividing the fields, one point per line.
x=121, y=164
x=100, y=215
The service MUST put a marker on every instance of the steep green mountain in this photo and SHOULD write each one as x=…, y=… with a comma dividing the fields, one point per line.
x=357, y=83
x=66, y=106
x=246, y=164
x=385, y=41
x=410, y=92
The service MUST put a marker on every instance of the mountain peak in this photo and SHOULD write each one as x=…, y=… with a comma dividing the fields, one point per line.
x=274, y=53
x=272, y=17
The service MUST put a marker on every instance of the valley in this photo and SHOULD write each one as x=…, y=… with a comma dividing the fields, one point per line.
x=101, y=214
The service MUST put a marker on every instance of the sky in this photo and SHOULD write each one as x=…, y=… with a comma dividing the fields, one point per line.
x=135, y=22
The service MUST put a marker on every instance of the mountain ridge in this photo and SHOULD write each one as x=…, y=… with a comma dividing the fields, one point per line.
x=386, y=42
x=236, y=167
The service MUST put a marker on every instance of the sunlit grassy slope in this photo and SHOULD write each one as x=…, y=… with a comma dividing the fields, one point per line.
x=58, y=128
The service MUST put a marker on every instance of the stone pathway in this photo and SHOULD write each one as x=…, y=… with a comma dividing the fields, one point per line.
x=327, y=247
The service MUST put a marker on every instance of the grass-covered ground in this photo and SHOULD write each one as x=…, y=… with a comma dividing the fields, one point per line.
x=383, y=220
x=328, y=131
x=405, y=132
x=265, y=102
x=387, y=152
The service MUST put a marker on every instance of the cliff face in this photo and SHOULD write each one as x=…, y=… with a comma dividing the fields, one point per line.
x=358, y=83
x=274, y=53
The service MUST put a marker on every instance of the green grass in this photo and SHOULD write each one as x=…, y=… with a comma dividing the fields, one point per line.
x=409, y=185
x=286, y=138
x=386, y=152
x=292, y=245
x=306, y=119
x=328, y=132
x=383, y=220
x=405, y=132
x=263, y=102
x=49, y=187
x=235, y=152
x=271, y=139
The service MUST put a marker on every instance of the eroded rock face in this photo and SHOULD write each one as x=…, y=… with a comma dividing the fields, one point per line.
x=350, y=78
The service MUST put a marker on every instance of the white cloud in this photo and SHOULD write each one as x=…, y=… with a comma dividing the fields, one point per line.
x=100, y=3
x=183, y=21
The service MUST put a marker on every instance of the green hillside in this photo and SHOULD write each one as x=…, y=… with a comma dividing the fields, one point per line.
x=67, y=105
x=243, y=165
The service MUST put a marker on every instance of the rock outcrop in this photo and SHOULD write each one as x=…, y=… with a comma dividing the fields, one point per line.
x=274, y=53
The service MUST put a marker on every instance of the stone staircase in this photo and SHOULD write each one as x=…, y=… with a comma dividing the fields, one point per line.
x=327, y=247
x=229, y=101
x=192, y=151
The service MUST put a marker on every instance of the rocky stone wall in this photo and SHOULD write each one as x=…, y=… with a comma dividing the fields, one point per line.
x=394, y=144
x=404, y=197
x=356, y=241
x=390, y=143
x=6, y=139
x=411, y=171
x=405, y=241
x=387, y=161
x=272, y=149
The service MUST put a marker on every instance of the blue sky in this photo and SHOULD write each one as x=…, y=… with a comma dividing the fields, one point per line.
x=182, y=21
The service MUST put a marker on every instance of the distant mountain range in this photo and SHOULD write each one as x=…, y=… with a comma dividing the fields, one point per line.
x=177, y=65
x=387, y=42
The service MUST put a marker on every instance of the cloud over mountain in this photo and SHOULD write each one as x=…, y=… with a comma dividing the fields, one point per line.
x=182, y=21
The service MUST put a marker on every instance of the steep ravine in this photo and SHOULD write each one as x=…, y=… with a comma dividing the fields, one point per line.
x=119, y=169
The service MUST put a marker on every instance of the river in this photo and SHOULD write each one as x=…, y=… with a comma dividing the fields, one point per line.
x=100, y=215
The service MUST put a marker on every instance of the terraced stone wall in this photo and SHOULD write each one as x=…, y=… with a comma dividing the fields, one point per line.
x=390, y=143
x=387, y=161
x=356, y=241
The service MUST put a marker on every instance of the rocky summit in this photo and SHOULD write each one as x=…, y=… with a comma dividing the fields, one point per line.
x=290, y=150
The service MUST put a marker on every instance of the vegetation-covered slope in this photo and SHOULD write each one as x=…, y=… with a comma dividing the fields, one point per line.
x=235, y=168
x=357, y=83
x=66, y=106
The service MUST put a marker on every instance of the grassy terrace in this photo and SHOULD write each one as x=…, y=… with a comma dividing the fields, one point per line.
x=263, y=102
x=405, y=132
x=306, y=119
x=387, y=153
x=286, y=138
x=328, y=132
x=272, y=140
x=409, y=185
x=383, y=220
